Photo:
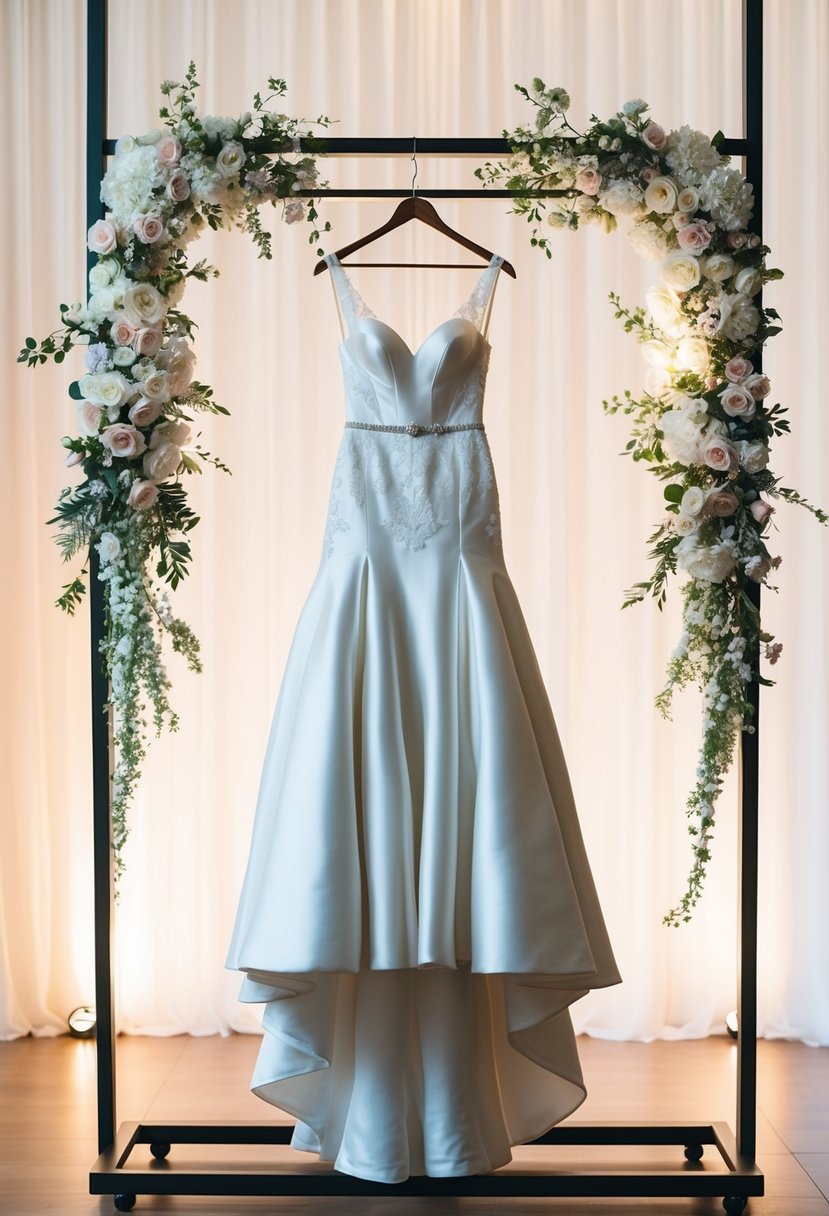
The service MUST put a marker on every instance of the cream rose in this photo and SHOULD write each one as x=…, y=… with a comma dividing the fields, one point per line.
x=177, y=433
x=717, y=267
x=101, y=237
x=719, y=454
x=161, y=461
x=660, y=195
x=178, y=360
x=688, y=200
x=748, y=281
x=144, y=412
x=663, y=306
x=123, y=440
x=736, y=240
x=155, y=387
x=143, y=495
x=144, y=304
x=738, y=402
x=685, y=524
x=680, y=270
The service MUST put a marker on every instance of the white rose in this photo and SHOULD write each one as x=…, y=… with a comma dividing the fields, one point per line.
x=155, y=387
x=685, y=524
x=680, y=270
x=657, y=381
x=231, y=158
x=656, y=353
x=660, y=195
x=749, y=281
x=753, y=456
x=663, y=306
x=101, y=304
x=688, y=200
x=109, y=546
x=692, y=353
x=693, y=500
x=123, y=356
x=103, y=272
x=143, y=495
x=717, y=266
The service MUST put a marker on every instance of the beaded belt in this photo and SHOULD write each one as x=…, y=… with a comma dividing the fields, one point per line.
x=415, y=428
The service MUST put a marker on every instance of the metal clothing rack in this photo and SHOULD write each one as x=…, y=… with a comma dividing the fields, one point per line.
x=112, y=1173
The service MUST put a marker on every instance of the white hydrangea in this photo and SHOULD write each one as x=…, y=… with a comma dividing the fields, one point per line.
x=622, y=197
x=713, y=563
x=648, y=240
x=682, y=436
x=691, y=155
x=127, y=187
x=738, y=316
x=224, y=128
x=729, y=198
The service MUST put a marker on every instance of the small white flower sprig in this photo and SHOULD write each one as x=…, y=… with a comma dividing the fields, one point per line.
x=703, y=423
x=161, y=190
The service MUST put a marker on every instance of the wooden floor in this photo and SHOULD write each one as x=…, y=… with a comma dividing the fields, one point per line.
x=48, y=1137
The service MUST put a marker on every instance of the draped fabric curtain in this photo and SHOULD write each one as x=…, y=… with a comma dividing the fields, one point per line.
x=575, y=515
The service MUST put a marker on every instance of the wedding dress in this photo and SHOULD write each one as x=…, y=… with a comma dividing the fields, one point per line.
x=418, y=910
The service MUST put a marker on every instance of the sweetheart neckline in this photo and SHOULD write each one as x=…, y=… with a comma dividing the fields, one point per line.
x=414, y=354
x=333, y=261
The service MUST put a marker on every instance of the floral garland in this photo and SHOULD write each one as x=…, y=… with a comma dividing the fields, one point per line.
x=161, y=190
x=703, y=423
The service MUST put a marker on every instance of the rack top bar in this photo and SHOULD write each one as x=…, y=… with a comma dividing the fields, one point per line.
x=429, y=147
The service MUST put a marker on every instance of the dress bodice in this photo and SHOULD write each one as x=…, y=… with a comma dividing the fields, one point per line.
x=440, y=382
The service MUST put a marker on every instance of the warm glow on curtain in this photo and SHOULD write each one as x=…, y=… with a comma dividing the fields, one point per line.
x=575, y=514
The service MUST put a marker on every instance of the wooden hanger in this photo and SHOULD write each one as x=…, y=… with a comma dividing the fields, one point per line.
x=415, y=208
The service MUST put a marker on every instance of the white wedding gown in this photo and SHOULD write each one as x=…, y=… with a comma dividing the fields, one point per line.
x=418, y=910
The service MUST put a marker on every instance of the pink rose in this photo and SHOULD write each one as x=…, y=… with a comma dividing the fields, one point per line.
x=123, y=440
x=162, y=460
x=123, y=332
x=711, y=382
x=149, y=228
x=73, y=458
x=694, y=236
x=719, y=454
x=736, y=240
x=168, y=149
x=588, y=181
x=101, y=237
x=761, y=510
x=654, y=136
x=178, y=187
x=144, y=412
x=650, y=172
x=738, y=402
x=720, y=502
x=738, y=368
x=758, y=385
x=147, y=341
x=143, y=495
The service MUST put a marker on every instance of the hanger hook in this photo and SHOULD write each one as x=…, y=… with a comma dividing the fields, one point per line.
x=414, y=162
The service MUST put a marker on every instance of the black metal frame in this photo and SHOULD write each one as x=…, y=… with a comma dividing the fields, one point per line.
x=112, y=1173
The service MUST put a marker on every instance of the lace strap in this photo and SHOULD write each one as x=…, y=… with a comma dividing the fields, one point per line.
x=478, y=307
x=350, y=304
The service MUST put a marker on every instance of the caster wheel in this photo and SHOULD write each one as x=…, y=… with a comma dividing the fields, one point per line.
x=735, y=1204
x=693, y=1152
x=159, y=1150
x=124, y=1203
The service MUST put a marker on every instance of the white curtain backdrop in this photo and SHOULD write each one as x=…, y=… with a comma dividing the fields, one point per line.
x=576, y=514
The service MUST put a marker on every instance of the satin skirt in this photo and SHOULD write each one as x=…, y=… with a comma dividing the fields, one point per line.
x=418, y=910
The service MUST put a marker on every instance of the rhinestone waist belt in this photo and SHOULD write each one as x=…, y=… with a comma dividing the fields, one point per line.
x=415, y=428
